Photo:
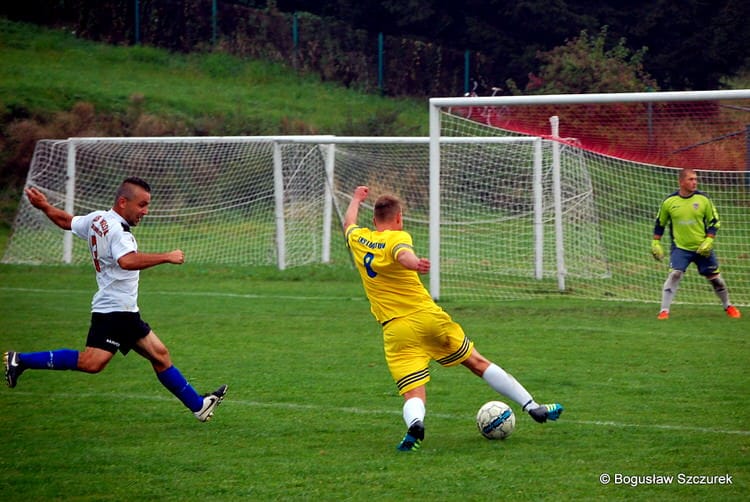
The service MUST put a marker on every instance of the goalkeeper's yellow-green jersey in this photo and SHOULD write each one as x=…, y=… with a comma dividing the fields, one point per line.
x=689, y=219
x=393, y=290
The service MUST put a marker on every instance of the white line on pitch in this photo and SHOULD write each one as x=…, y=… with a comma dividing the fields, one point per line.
x=361, y=411
x=249, y=296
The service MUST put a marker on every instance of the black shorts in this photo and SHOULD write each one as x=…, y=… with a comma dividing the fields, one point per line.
x=116, y=331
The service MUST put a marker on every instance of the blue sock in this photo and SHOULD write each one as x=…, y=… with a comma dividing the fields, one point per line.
x=62, y=359
x=172, y=379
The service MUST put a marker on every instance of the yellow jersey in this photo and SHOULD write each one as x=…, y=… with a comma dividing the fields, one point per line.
x=393, y=290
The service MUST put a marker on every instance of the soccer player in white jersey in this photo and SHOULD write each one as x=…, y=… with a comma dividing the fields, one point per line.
x=415, y=329
x=116, y=323
x=693, y=222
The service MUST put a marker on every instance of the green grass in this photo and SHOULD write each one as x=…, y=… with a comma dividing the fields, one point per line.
x=312, y=412
x=48, y=71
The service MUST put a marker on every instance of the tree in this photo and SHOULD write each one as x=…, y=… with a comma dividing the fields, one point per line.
x=584, y=64
x=692, y=43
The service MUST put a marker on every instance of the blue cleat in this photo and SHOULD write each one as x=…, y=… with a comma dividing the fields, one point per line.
x=413, y=439
x=546, y=412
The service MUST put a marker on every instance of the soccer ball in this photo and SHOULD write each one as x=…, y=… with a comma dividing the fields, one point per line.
x=496, y=420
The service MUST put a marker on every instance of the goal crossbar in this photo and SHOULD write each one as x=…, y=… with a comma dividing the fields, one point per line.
x=594, y=98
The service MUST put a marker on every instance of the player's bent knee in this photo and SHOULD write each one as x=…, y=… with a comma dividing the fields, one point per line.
x=476, y=363
x=676, y=275
x=93, y=360
x=673, y=280
x=89, y=366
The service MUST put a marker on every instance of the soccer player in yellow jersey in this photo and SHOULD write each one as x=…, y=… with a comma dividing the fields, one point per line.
x=415, y=329
x=693, y=222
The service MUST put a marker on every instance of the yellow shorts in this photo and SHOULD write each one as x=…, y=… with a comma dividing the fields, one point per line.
x=411, y=342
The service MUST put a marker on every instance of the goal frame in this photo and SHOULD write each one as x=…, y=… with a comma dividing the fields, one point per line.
x=436, y=139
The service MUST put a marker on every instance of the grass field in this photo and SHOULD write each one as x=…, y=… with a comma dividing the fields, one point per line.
x=312, y=413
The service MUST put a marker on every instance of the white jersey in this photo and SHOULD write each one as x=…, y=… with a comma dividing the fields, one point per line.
x=109, y=238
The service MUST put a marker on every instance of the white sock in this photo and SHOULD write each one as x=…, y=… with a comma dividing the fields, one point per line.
x=720, y=287
x=670, y=289
x=505, y=384
x=414, y=410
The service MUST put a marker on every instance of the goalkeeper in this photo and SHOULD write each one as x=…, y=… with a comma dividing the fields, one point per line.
x=693, y=222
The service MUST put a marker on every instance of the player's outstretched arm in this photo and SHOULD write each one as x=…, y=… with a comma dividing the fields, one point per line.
x=140, y=261
x=59, y=217
x=413, y=262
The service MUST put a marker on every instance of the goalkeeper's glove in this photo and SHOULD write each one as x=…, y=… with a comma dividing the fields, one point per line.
x=657, y=250
x=706, y=246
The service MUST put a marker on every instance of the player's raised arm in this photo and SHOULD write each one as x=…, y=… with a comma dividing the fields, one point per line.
x=359, y=196
x=59, y=217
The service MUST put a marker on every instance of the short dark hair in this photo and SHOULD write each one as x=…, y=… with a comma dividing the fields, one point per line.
x=126, y=187
x=687, y=172
x=387, y=207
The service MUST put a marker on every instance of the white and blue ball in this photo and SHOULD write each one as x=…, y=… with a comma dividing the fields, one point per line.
x=496, y=420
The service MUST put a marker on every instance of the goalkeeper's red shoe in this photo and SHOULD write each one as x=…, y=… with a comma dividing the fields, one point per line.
x=733, y=312
x=663, y=315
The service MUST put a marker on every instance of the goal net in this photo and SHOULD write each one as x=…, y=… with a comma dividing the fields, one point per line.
x=214, y=198
x=609, y=161
x=509, y=197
